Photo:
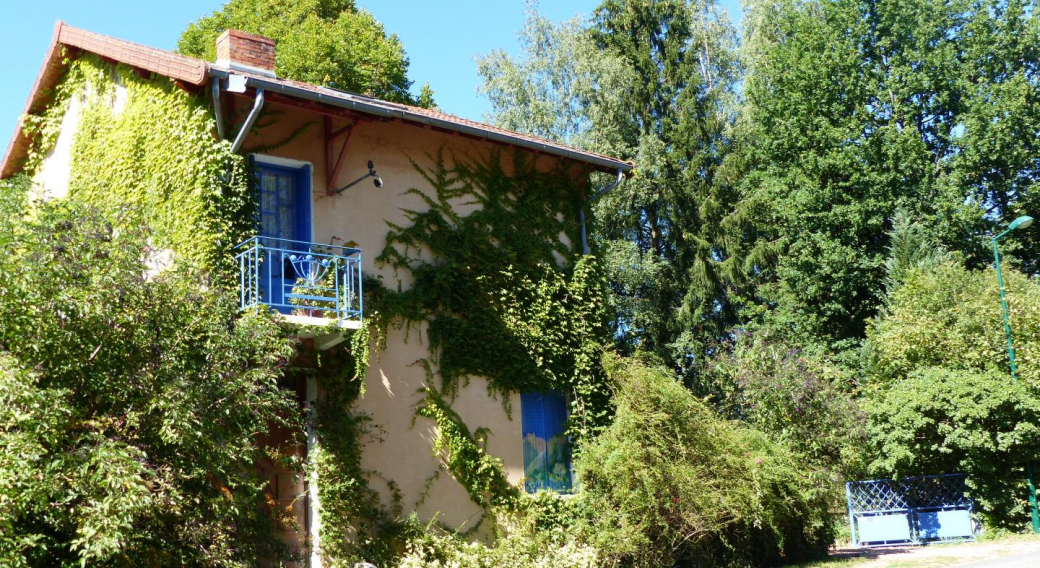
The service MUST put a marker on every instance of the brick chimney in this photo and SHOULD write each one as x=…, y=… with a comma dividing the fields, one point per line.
x=246, y=52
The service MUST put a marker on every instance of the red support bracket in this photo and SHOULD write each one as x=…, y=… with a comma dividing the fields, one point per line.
x=332, y=170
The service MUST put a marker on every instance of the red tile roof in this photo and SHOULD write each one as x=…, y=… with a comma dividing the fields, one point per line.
x=196, y=72
x=172, y=65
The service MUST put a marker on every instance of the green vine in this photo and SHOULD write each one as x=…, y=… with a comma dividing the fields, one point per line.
x=154, y=152
x=355, y=525
x=505, y=297
x=465, y=454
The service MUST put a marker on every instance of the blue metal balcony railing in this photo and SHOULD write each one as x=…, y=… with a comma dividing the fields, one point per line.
x=300, y=278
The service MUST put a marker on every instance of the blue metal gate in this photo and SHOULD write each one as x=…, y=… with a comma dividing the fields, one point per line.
x=911, y=510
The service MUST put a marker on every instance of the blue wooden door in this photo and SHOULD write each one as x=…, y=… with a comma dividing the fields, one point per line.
x=285, y=226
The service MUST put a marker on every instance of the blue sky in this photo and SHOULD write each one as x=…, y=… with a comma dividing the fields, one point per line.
x=441, y=38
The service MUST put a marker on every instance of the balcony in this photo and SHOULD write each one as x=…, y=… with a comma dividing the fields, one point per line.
x=308, y=283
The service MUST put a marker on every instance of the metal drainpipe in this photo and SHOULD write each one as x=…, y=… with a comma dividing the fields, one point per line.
x=311, y=484
x=581, y=212
x=217, y=111
x=258, y=104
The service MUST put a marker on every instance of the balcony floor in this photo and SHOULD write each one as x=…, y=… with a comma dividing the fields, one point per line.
x=320, y=321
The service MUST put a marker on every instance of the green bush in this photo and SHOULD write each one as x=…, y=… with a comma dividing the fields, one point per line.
x=939, y=388
x=132, y=402
x=984, y=424
x=542, y=530
x=670, y=482
x=951, y=317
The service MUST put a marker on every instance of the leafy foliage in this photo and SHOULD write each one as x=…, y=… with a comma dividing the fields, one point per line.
x=324, y=42
x=951, y=317
x=940, y=394
x=855, y=110
x=669, y=480
x=133, y=402
x=650, y=81
x=800, y=398
x=489, y=284
x=540, y=530
x=356, y=526
x=465, y=454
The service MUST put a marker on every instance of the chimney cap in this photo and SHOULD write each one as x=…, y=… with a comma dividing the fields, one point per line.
x=230, y=32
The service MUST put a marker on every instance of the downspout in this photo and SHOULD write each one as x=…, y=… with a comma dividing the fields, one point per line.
x=258, y=105
x=218, y=113
x=581, y=212
x=313, y=520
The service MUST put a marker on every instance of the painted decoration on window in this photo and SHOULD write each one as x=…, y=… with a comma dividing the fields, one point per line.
x=547, y=452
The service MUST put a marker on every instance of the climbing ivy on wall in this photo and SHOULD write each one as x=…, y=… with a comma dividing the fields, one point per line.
x=505, y=297
x=355, y=525
x=152, y=150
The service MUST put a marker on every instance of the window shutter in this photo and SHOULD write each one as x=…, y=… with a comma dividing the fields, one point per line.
x=546, y=448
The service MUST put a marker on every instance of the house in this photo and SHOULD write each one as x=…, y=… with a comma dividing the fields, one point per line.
x=334, y=174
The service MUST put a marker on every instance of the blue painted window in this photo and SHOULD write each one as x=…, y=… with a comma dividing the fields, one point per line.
x=284, y=202
x=547, y=451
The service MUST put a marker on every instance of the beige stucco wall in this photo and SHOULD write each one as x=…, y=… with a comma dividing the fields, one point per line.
x=51, y=179
x=402, y=452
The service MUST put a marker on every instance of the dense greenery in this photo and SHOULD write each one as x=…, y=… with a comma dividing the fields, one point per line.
x=795, y=275
x=324, y=42
x=807, y=251
x=798, y=397
x=184, y=183
x=132, y=401
x=938, y=390
x=649, y=80
x=855, y=109
x=667, y=483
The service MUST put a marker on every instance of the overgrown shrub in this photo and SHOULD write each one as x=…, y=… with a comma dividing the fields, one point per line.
x=671, y=482
x=951, y=317
x=798, y=397
x=541, y=531
x=132, y=402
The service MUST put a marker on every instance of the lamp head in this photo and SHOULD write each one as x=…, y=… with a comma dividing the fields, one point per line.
x=1021, y=223
x=378, y=182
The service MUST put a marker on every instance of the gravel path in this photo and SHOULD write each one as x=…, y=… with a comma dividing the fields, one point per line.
x=1013, y=552
x=1027, y=560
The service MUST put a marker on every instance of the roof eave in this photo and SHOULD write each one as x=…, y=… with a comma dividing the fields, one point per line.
x=361, y=106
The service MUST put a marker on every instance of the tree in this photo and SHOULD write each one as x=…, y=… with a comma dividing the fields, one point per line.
x=563, y=87
x=132, y=401
x=324, y=42
x=857, y=109
x=650, y=81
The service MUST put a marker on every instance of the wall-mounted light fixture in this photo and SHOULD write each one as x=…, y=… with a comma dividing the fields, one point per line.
x=371, y=174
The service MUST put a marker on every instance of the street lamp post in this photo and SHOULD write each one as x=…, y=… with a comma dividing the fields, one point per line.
x=1020, y=223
